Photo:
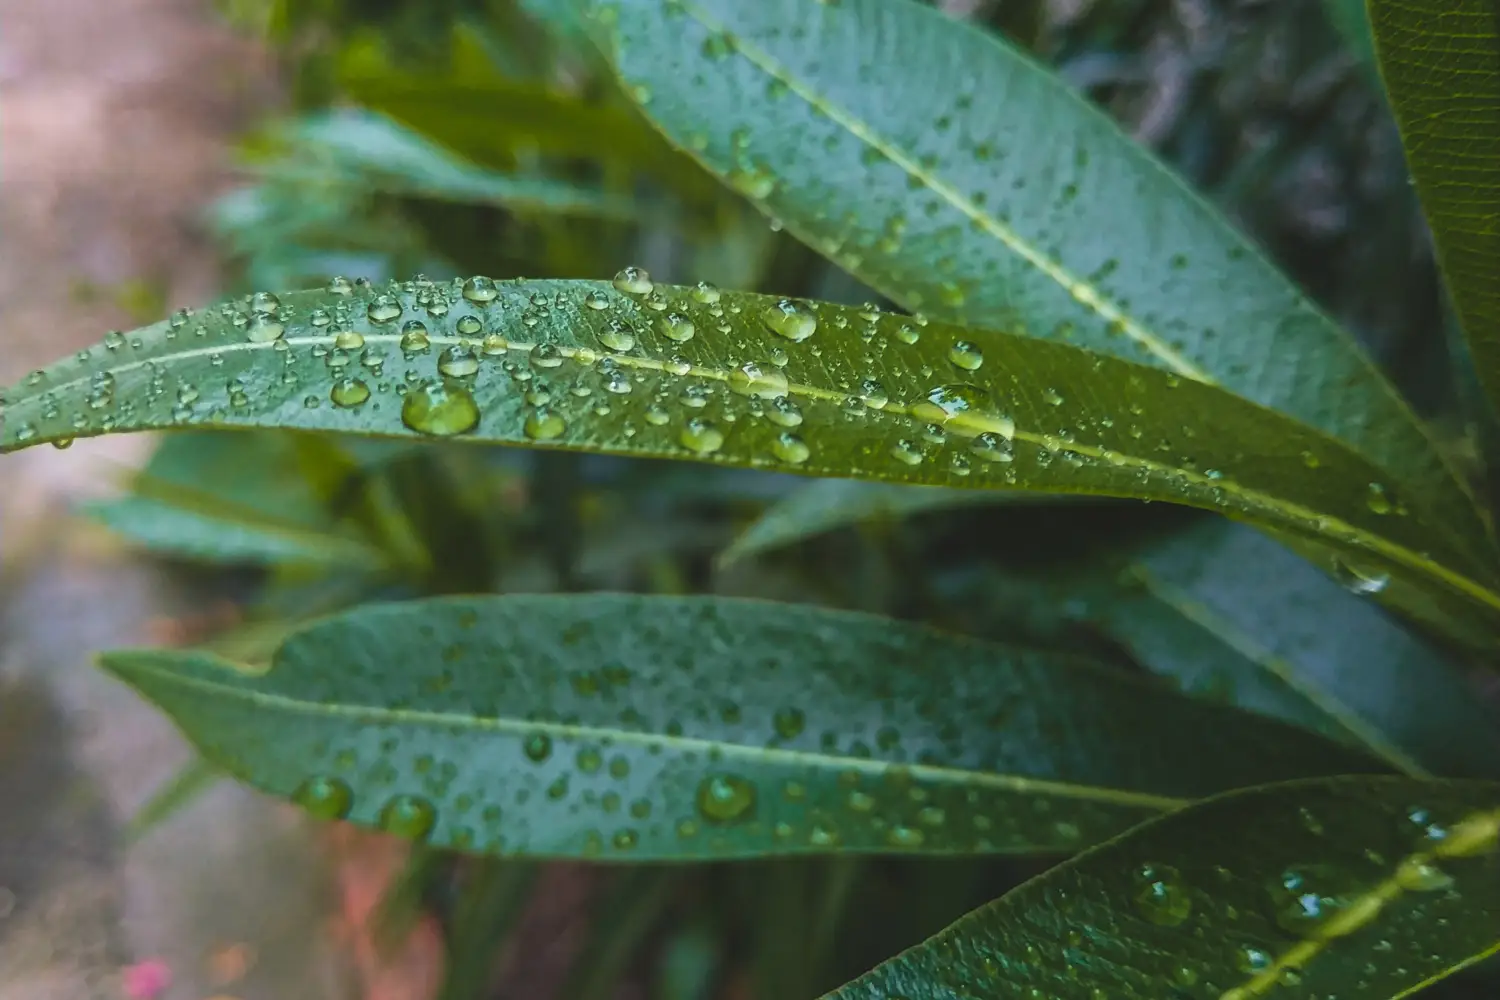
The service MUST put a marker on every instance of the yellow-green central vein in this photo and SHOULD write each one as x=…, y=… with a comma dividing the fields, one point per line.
x=685, y=744
x=1286, y=512
x=1080, y=290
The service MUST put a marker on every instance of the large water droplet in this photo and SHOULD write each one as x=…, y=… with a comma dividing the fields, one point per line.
x=966, y=354
x=784, y=413
x=617, y=336
x=701, y=436
x=468, y=326
x=348, y=340
x=1358, y=580
x=705, y=293
x=264, y=329
x=264, y=302
x=1307, y=897
x=546, y=356
x=790, y=448
x=442, y=409
x=597, y=301
x=726, y=798
x=480, y=290
x=758, y=381
x=409, y=817
x=384, y=309
x=1162, y=898
x=907, y=452
x=324, y=798
x=790, y=320
x=964, y=409
x=349, y=393
x=676, y=327
x=414, y=339
x=634, y=281
x=544, y=425
x=458, y=361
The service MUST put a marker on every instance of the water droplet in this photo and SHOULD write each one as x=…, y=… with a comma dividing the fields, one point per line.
x=340, y=285
x=705, y=293
x=992, y=448
x=349, y=392
x=789, y=722
x=414, y=338
x=1307, y=897
x=538, y=747
x=409, y=817
x=383, y=309
x=634, y=281
x=442, y=409
x=617, y=336
x=494, y=345
x=701, y=436
x=966, y=354
x=480, y=290
x=873, y=394
x=546, y=356
x=677, y=327
x=596, y=300
x=1378, y=500
x=758, y=381
x=787, y=319
x=657, y=415
x=348, y=340
x=458, y=361
x=726, y=798
x=114, y=340
x=468, y=326
x=1359, y=581
x=907, y=452
x=964, y=409
x=783, y=412
x=790, y=448
x=625, y=840
x=617, y=382
x=264, y=329
x=1052, y=397
x=1162, y=898
x=695, y=396
x=1422, y=876
x=1250, y=960
x=324, y=798
x=544, y=425
x=904, y=837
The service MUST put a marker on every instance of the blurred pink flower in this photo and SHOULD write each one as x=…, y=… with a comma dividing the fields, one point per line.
x=146, y=980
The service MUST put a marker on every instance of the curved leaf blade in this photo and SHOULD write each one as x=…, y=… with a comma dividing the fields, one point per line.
x=1358, y=887
x=655, y=728
x=1441, y=65
x=583, y=365
x=975, y=186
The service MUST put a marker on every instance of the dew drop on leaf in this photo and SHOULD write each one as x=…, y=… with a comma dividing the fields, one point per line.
x=783, y=412
x=1306, y=897
x=676, y=327
x=543, y=425
x=263, y=329
x=546, y=356
x=265, y=303
x=758, y=381
x=787, y=319
x=383, y=309
x=1161, y=897
x=494, y=345
x=1378, y=500
x=324, y=798
x=538, y=747
x=790, y=448
x=480, y=290
x=468, y=326
x=458, y=361
x=966, y=354
x=349, y=392
x=726, y=798
x=414, y=338
x=657, y=415
x=1359, y=581
x=1422, y=876
x=617, y=336
x=408, y=816
x=634, y=281
x=990, y=447
x=705, y=293
x=348, y=340
x=597, y=301
x=701, y=436
x=907, y=452
x=442, y=409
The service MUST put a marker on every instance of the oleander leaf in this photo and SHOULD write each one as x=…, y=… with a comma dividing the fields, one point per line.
x=654, y=371
x=1347, y=887
x=945, y=168
x=679, y=728
x=1440, y=60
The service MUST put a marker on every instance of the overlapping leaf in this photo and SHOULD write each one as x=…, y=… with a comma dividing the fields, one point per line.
x=745, y=380
x=945, y=168
x=1441, y=63
x=630, y=727
x=1352, y=887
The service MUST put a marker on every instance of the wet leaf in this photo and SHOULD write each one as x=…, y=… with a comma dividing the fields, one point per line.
x=1441, y=65
x=1348, y=887
x=654, y=728
x=826, y=504
x=630, y=367
x=948, y=170
x=1235, y=617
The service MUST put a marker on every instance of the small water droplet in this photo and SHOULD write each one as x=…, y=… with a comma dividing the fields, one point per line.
x=538, y=747
x=1422, y=876
x=695, y=396
x=546, y=356
x=468, y=326
x=114, y=340
x=597, y=301
x=1305, y=898
x=324, y=798
x=701, y=436
x=348, y=340
x=349, y=393
x=264, y=329
x=905, y=837
x=543, y=425
x=458, y=361
x=907, y=452
x=1162, y=898
x=657, y=415
x=705, y=293
x=790, y=320
x=480, y=290
x=726, y=798
x=617, y=382
x=383, y=309
x=1360, y=581
x=494, y=345
x=758, y=381
x=676, y=327
x=967, y=355
x=991, y=447
x=414, y=339
x=442, y=409
x=790, y=448
x=1378, y=500
x=409, y=817
x=634, y=281
x=617, y=336
x=873, y=394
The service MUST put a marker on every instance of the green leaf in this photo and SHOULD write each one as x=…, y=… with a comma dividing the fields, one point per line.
x=175, y=794
x=831, y=503
x=665, y=728
x=1350, y=887
x=1352, y=21
x=1441, y=64
x=493, y=899
x=742, y=379
x=948, y=170
x=1231, y=614
x=372, y=154
x=621, y=921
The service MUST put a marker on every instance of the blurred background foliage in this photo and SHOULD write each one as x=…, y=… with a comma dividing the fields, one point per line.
x=448, y=137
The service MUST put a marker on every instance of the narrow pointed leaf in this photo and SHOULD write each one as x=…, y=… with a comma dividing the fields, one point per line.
x=945, y=168
x=826, y=504
x=1365, y=888
x=178, y=792
x=654, y=728
x=742, y=380
x=1441, y=63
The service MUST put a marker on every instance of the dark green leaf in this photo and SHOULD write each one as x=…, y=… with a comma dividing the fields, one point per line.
x=1352, y=21
x=743, y=379
x=492, y=900
x=658, y=728
x=948, y=170
x=1441, y=64
x=1350, y=887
